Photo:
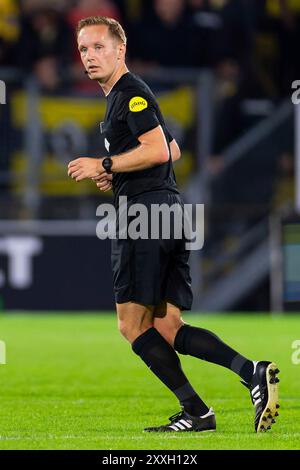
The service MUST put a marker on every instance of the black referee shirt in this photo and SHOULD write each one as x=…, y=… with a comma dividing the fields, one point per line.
x=131, y=111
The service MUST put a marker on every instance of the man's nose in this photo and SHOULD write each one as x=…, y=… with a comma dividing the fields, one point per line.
x=90, y=56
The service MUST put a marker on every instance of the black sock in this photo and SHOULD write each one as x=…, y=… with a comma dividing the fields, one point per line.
x=206, y=345
x=163, y=361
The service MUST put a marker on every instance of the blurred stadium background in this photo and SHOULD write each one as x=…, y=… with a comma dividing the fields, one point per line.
x=223, y=73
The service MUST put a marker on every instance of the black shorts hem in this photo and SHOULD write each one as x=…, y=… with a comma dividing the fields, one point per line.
x=138, y=300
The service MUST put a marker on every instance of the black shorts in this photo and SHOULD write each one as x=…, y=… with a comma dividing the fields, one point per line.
x=150, y=271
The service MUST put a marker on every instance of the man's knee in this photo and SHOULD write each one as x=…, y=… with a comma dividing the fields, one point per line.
x=169, y=333
x=132, y=331
x=134, y=320
x=168, y=327
x=123, y=328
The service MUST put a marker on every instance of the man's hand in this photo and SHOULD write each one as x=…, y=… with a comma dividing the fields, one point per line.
x=85, y=167
x=104, y=182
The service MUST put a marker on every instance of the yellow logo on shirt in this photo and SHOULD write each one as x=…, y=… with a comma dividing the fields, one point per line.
x=137, y=104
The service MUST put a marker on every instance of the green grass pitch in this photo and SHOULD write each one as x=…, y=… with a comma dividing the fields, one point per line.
x=72, y=382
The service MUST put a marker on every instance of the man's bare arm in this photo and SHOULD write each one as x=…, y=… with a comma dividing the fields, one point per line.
x=104, y=181
x=152, y=151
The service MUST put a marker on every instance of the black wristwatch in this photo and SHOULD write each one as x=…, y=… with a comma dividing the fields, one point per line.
x=107, y=164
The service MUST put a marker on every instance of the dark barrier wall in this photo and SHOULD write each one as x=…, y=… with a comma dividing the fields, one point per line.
x=55, y=272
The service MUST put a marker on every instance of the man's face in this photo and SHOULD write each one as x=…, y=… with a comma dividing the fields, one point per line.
x=101, y=54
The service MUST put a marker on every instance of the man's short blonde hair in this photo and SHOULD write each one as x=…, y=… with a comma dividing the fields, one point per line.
x=114, y=26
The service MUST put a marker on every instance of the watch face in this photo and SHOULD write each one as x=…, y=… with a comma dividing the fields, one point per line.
x=107, y=163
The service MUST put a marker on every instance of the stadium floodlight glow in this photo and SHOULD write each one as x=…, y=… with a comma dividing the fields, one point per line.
x=2, y=92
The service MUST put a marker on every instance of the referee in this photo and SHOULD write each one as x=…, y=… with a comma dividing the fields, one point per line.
x=151, y=277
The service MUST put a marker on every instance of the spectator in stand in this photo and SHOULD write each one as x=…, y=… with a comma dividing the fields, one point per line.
x=162, y=37
x=85, y=8
x=277, y=39
x=284, y=183
x=9, y=30
x=223, y=31
x=288, y=31
x=224, y=34
x=46, y=39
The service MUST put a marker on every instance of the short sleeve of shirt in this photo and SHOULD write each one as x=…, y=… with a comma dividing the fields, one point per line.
x=139, y=113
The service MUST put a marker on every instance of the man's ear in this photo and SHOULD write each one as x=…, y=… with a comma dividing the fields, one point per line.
x=122, y=49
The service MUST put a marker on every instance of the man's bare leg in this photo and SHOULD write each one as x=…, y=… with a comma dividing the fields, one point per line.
x=134, y=319
x=167, y=320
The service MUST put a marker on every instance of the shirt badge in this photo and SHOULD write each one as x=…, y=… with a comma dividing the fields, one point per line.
x=137, y=103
